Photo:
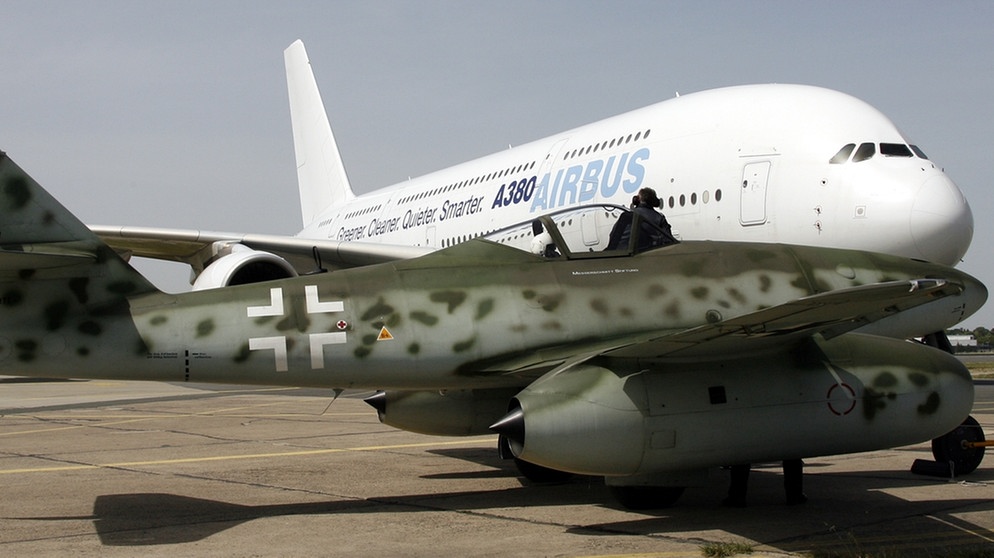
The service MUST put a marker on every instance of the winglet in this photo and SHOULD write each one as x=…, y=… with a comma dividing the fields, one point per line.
x=321, y=175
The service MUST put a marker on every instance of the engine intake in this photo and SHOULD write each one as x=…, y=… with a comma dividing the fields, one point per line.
x=243, y=266
x=442, y=413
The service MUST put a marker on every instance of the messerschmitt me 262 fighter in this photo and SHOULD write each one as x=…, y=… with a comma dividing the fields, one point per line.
x=646, y=367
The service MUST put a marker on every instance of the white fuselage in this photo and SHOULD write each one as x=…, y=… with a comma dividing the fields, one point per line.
x=751, y=163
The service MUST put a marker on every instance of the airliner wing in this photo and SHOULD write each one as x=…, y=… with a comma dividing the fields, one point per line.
x=196, y=247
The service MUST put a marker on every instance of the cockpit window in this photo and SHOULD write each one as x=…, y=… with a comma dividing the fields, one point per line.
x=919, y=152
x=584, y=232
x=843, y=155
x=894, y=150
x=865, y=151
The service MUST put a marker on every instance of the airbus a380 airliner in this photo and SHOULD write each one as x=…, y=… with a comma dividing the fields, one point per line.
x=768, y=163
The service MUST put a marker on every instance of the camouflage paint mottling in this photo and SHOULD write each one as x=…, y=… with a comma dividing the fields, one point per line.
x=55, y=314
x=874, y=402
x=452, y=299
x=379, y=308
x=484, y=308
x=424, y=318
x=918, y=379
x=17, y=192
x=26, y=349
x=242, y=354
x=205, y=328
x=599, y=305
x=931, y=405
x=655, y=291
x=78, y=286
x=463, y=346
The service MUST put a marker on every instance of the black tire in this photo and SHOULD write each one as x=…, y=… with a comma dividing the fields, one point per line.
x=646, y=497
x=540, y=474
x=949, y=448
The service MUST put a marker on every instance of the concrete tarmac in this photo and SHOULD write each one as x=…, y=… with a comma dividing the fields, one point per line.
x=99, y=468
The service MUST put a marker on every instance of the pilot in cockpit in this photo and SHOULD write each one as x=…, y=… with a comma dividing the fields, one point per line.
x=654, y=229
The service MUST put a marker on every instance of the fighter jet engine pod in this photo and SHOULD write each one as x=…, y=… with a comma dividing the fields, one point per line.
x=851, y=394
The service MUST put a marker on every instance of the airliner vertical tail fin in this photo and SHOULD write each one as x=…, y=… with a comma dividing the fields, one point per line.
x=321, y=175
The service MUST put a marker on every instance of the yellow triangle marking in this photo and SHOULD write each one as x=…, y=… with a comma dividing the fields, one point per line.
x=384, y=334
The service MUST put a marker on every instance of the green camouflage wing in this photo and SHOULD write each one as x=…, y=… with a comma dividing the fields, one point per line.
x=829, y=314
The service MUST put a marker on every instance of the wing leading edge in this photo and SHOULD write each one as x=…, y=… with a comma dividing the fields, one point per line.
x=198, y=248
x=829, y=314
x=779, y=327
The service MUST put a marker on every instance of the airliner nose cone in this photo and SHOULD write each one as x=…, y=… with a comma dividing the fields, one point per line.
x=941, y=222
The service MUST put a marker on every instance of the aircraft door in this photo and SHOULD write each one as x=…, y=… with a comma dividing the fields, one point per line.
x=752, y=204
x=551, y=158
x=590, y=225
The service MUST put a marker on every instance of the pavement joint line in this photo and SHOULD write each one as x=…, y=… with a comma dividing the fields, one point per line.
x=963, y=529
x=182, y=415
x=141, y=418
x=299, y=453
x=74, y=426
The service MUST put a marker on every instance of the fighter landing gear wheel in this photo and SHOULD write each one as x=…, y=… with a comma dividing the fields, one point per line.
x=531, y=471
x=646, y=497
x=540, y=474
x=952, y=447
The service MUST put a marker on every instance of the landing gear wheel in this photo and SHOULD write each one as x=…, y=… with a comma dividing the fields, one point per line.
x=646, y=497
x=531, y=471
x=949, y=448
x=540, y=474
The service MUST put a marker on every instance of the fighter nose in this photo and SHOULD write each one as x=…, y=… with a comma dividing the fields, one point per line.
x=941, y=221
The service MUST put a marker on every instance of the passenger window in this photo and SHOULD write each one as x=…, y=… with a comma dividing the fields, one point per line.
x=865, y=151
x=919, y=152
x=894, y=150
x=843, y=155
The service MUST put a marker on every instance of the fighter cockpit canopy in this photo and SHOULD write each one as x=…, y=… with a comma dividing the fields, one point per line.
x=589, y=231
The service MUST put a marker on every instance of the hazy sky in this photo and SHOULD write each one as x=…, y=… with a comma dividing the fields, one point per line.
x=174, y=113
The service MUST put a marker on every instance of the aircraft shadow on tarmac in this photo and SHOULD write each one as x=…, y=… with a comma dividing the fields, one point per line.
x=846, y=512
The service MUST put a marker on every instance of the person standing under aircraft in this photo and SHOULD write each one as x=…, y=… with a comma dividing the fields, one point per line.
x=793, y=483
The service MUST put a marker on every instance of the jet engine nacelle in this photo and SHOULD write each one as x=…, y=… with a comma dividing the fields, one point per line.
x=854, y=393
x=241, y=266
x=442, y=413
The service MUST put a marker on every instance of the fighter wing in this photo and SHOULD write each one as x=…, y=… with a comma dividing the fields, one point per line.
x=198, y=248
x=829, y=314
